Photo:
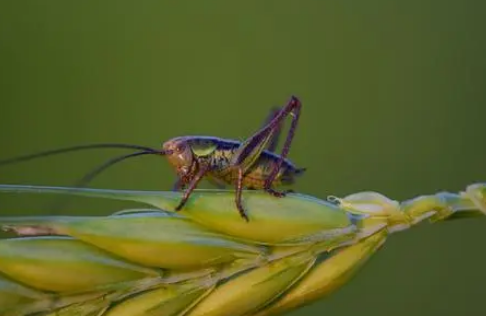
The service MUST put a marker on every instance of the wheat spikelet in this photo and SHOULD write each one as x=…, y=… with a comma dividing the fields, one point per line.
x=204, y=260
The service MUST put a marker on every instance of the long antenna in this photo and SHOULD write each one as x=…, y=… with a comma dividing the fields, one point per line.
x=71, y=149
x=98, y=170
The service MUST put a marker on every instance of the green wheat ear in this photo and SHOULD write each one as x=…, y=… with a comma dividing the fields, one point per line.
x=205, y=260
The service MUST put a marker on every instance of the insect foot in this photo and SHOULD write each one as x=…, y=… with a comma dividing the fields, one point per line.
x=278, y=194
x=244, y=216
x=180, y=206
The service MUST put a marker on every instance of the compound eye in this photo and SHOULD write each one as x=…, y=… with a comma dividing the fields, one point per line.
x=180, y=148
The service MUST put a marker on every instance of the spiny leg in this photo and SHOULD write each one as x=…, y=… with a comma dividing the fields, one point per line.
x=192, y=185
x=272, y=145
x=273, y=142
x=293, y=108
x=251, y=149
x=239, y=189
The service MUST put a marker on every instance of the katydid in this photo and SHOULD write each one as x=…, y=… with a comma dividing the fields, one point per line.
x=251, y=164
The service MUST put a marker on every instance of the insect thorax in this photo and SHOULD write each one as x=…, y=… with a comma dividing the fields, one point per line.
x=219, y=154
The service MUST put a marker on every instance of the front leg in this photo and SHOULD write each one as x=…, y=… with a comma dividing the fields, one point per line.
x=178, y=185
x=203, y=169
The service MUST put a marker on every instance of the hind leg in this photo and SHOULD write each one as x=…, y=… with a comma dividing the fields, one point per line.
x=273, y=142
x=293, y=108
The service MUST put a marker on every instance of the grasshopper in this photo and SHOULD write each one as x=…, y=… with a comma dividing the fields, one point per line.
x=251, y=164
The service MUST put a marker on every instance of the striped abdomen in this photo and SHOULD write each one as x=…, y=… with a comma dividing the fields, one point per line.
x=257, y=174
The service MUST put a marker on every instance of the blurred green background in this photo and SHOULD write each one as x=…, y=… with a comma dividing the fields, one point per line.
x=393, y=99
